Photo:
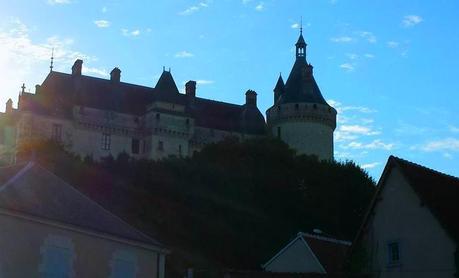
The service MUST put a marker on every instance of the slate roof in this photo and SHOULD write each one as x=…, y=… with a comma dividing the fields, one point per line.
x=60, y=92
x=438, y=191
x=33, y=190
x=301, y=85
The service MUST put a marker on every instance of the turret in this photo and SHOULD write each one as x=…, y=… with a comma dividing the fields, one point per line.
x=77, y=67
x=251, y=98
x=115, y=75
x=9, y=106
x=279, y=89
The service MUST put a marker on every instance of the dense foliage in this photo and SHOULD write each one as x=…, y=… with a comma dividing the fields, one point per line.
x=231, y=205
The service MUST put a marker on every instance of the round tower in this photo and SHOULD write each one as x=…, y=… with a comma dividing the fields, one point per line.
x=300, y=116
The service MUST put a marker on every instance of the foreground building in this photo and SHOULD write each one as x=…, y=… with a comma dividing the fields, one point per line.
x=50, y=229
x=412, y=226
x=97, y=117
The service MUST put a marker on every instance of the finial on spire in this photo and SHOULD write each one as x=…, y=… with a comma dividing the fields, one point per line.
x=164, y=68
x=301, y=25
x=52, y=61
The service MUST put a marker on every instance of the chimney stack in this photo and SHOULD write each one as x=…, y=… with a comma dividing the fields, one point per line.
x=115, y=75
x=190, y=88
x=76, y=68
x=9, y=106
x=251, y=98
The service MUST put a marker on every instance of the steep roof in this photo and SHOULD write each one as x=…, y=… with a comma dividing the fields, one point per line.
x=439, y=192
x=279, y=85
x=60, y=92
x=330, y=253
x=33, y=190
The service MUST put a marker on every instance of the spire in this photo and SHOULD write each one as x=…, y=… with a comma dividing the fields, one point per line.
x=279, y=89
x=52, y=61
x=301, y=44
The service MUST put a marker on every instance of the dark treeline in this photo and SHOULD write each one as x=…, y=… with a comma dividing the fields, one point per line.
x=232, y=205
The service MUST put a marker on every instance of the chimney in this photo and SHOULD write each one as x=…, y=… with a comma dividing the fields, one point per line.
x=251, y=98
x=115, y=75
x=190, y=88
x=76, y=68
x=9, y=106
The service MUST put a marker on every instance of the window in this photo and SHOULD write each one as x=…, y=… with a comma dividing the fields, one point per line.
x=160, y=145
x=158, y=116
x=106, y=141
x=135, y=146
x=57, y=257
x=279, y=132
x=123, y=265
x=180, y=150
x=393, y=249
x=57, y=133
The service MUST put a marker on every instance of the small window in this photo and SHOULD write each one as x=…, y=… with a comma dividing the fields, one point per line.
x=180, y=150
x=296, y=106
x=279, y=132
x=393, y=249
x=160, y=145
x=158, y=116
x=57, y=255
x=135, y=146
x=187, y=122
x=123, y=265
x=106, y=141
x=57, y=133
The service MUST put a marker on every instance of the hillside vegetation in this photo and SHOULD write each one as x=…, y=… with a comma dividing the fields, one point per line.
x=232, y=205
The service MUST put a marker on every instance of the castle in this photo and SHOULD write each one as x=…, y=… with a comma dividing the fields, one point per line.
x=97, y=117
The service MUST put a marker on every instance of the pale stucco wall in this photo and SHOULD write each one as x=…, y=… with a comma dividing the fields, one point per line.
x=426, y=250
x=297, y=258
x=21, y=241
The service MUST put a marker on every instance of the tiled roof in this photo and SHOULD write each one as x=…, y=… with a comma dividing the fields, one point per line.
x=60, y=92
x=32, y=190
x=331, y=253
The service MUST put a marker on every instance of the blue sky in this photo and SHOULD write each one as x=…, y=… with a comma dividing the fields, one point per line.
x=389, y=67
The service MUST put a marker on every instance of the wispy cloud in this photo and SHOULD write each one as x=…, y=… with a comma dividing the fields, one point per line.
x=342, y=39
x=368, y=36
x=453, y=129
x=130, y=33
x=448, y=144
x=393, y=44
x=260, y=7
x=183, y=54
x=104, y=9
x=373, y=145
x=59, y=2
x=96, y=71
x=358, y=129
x=204, y=82
x=195, y=8
x=369, y=55
x=295, y=26
x=411, y=20
x=347, y=67
x=370, y=165
x=102, y=23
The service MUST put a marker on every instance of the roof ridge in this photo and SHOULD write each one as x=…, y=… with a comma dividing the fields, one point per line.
x=423, y=167
x=324, y=238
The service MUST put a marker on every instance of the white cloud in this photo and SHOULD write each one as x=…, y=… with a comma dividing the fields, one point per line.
x=204, y=82
x=246, y=1
x=453, y=129
x=411, y=20
x=347, y=67
x=104, y=9
x=369, y=36
x=101, y=23
x=374, y=145
x=59, y=2
x=447, y=144
x=352, y=56
x=358, y=129
x=260, y=7
x=184, y=54
x=295, y=26
x=393, y=44
x=195, y=8
x=96, y=71
x=343, y=39
x=369, y=56
x=370, y=165
x=130, y=33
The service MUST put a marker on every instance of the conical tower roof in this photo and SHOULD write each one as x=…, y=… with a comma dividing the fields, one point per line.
x=166, y=83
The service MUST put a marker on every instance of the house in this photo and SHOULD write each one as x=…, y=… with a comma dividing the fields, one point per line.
x=98, y=117
x=412, y=226
x=50, y=229
x=310, y=253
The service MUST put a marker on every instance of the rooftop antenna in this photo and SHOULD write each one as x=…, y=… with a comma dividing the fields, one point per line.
x=52, y=61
